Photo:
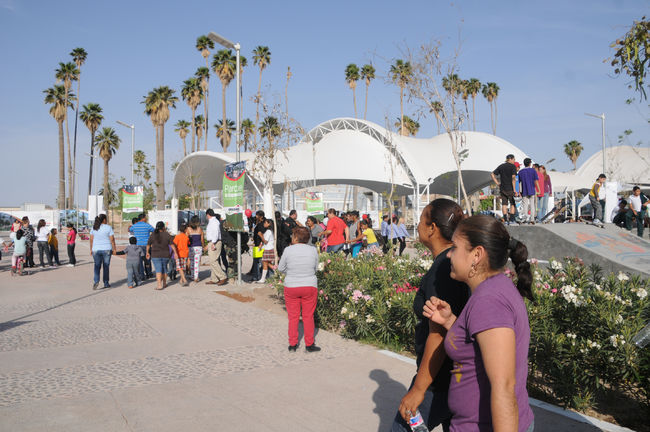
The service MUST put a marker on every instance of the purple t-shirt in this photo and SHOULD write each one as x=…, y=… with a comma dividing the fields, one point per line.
x=495, y=303
x=527, y=178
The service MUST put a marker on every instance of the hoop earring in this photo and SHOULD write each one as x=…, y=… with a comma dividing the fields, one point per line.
x=472, y=271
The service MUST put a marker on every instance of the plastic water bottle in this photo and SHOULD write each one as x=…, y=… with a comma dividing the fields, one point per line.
x=417, y=424
x=642, y=338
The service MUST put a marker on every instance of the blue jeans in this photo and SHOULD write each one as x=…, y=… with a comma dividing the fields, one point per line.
x=434, y=410
x=145, y=264
x=160, y=264
x=133, y=272
x=102, y=257
x=541, y=206
x=335, y=248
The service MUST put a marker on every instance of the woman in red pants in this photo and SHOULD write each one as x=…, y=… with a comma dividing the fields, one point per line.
x=299, y=262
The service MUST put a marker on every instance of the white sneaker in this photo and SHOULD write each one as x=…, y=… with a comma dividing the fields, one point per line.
x=261, y=281
x=70, y=265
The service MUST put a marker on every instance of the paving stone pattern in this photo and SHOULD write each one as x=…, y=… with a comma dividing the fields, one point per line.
x=27, y=335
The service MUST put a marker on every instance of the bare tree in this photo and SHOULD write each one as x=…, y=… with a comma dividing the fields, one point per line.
x=426, y=90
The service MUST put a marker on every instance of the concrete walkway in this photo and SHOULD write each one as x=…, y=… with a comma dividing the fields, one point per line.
x=182, y=359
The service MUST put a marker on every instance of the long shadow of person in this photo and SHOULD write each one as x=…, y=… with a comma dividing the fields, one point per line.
x=386, y=398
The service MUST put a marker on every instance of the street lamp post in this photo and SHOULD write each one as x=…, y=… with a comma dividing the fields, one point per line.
x=132, y=127
x=230, y=45
x=602, y=118
x=94, y=156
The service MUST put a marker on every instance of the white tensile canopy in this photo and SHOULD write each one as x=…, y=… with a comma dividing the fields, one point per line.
x=362, y=153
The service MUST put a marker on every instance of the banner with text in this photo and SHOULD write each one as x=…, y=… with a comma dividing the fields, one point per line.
x=314, y=203
x=132, y=201
x=234, y=178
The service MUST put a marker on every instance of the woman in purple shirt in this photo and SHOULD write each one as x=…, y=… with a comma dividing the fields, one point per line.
x=488, y=341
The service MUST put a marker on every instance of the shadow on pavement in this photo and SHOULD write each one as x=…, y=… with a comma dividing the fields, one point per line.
x=12, y=324
x=386, y=398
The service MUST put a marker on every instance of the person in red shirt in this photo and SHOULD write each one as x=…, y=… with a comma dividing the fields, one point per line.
x=334, y=231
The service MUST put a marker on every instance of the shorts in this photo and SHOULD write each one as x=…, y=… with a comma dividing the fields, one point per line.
x=507, y=197
x=160, y=264
x=268, y=256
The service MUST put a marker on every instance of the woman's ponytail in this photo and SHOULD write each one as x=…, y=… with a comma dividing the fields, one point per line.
x=519, y=258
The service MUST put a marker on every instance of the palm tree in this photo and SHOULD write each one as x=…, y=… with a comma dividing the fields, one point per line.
x=60, y=100
x=92, y=118
x=400, y=74
x=473, y=87
x=452, y=84
x=157, y=104
x=199, y=127
x=261, y=58
x=367, y=74
x=463, y=89
x=573, y=149
x=192, y=92
x=351, y=77
x=224, y=64
x=204, y=44
x=411, y=126
x=68, y=72
x=436, y=109
x=247, y=130
x=107, y=144
x=490, y=92
x=182, y=127
x=224, y=133
x=270, y=129
x=79, y=56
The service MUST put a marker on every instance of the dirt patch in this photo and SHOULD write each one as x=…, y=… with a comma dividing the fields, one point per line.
x=236, y=296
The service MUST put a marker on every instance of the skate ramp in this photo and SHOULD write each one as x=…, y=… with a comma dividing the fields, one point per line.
x=612, y=248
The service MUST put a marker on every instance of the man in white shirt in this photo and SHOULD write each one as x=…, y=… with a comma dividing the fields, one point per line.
x=213, y=236
x=638, y=206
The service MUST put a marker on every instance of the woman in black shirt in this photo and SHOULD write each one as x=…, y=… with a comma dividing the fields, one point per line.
x=428, y=391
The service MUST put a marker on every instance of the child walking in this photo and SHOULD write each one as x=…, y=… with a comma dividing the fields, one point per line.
x=268, y=257
x=182, y=242
x=134, y=255
x=20, y=249
x=53, y=244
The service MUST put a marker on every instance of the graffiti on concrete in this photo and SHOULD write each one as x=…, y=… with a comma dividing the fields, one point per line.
x=623, y=246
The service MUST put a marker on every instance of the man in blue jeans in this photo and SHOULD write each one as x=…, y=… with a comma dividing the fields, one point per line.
x=141, y=231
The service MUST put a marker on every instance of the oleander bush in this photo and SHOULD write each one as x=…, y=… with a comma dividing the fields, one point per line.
x=582, y=320
x=582, y=324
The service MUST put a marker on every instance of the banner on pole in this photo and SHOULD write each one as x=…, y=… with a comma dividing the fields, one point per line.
x=234, y=178
x=132, y=201
x=314, y=203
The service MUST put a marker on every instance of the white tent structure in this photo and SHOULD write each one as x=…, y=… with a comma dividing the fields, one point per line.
x=358, y=152
x=627, y=165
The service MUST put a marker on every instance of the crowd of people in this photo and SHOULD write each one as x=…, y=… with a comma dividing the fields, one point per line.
x=532, y=185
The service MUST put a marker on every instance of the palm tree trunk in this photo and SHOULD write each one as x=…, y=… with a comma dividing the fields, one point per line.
x=90, y=171
x=205, y=109
x=160, y=169
x=184, y=148
x=257, y=109
x=466, y=112
x=207, y=98
x=401, y=110
x=76, y=120
x=474, y=112
x=365, y=109
x=224, y=142
x=67, y=135
x=106, y=185
x=495, y=116
x=194, y=130
x=354, y=100
x=61, y=199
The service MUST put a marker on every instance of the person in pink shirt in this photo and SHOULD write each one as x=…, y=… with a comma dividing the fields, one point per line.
x=71, y=237
x=335, y=231
x=539, y=193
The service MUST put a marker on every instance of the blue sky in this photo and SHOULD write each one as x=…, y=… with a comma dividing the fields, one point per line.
x=547, y=58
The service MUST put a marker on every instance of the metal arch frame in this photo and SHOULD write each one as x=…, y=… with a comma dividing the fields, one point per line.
x=316, y=134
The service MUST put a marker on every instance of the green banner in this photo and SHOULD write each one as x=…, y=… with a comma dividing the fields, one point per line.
x=132, y=201
x=314, y=203
x=234, y=178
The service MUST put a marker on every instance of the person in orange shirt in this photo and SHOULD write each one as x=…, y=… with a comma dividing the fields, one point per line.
x=182, y=242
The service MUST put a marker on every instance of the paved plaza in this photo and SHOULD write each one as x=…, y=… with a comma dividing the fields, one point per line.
x=181, y=359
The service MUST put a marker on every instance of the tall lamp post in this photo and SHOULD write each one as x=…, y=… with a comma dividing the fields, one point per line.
x=602, y=118
x=230, y=45
x=132, y=127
